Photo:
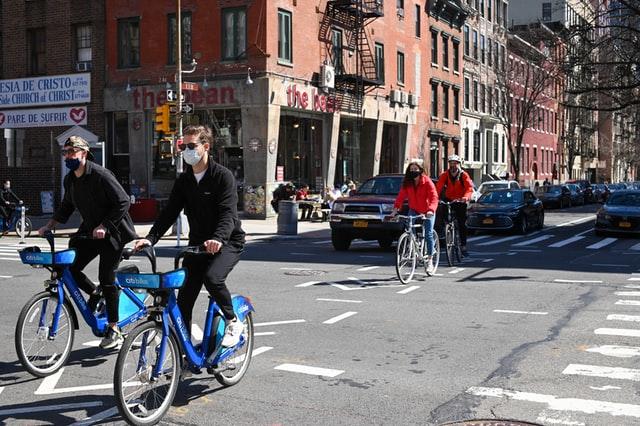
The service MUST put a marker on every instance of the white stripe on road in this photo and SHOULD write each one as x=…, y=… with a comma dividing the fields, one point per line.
x=97, y=417
x=632, y=286
x=588, y=406
x=9, y=258
x=634, y=279
x=371, y=257
x=408, y=289
x=533, y=241
x=602, y=243
x=263, y=324
x=321, y=242
x=572, y=222
x=368, y=268
x=566, y=242
x=557, y=280
x=295, y=269
x=265, y=333
x=616, y=351
x=455, y=271
x=498, y=241
x=6, y=276
x=617, y=317
x=504, y=311
x=59, y=408
x=301, y=254
x=357, y=280
x=545, y=419
x=260, y=350
x=487, y=260
x=628, y=293
x=304, y=369
x=628, y=302
x=48, y=386
x=618, y=332
x=617, y=373
x=339, y=300
x=339, y=318
x=308, y=284
x=635, y=247
x=513, y=253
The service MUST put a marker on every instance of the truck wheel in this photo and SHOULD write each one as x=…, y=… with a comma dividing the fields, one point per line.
x=385, y=243
x=340, y=242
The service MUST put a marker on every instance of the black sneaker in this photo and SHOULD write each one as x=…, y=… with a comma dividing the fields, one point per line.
x=112, y=339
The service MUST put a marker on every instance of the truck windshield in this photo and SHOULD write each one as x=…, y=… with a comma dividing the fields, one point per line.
x=381, y=186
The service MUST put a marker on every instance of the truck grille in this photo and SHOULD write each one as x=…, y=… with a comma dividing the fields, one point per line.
x=350, y=208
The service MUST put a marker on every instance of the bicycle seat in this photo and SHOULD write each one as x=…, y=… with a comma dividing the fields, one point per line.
x=167, y=280
x=33, y=256
x=128, y=269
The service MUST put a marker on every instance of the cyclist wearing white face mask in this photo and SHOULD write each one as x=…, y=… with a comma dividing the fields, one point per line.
x=207, y=193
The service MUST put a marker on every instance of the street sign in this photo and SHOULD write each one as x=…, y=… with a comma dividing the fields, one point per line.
x=186, y=108
x=187, y=85
x=172, y=95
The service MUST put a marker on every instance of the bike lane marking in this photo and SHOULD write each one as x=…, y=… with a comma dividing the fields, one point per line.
x=304, y=369
x=339, y=300
x=408, y=289
x=567, y=241
x=506, y=311
x=533, y=241
x=602, y=243
x=499, y=240
x=339, y=317
x=48, y=386
x=263, y=324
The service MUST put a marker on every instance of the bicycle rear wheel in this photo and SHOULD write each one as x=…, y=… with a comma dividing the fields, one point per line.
x=39, y=353
x=141, y=398
x=405, y=258
x=235, y=367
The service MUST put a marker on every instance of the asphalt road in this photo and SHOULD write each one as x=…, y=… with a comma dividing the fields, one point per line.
x=540, y=328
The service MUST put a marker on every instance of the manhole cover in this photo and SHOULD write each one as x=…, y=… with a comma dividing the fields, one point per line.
x=305, y=272
x=490, y=422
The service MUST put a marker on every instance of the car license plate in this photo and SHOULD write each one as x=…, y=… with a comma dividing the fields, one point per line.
x=487, y=221
x=360, y=223
x=624, y=224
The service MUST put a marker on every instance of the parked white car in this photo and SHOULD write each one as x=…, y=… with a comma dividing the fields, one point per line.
x=493, y=185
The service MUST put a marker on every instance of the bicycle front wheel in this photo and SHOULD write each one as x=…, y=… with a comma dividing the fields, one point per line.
x=450, y=240
x=435, y=256
x=235, y=367
x=27, y=227
x=141, y=398
x=41, y=349
x=405, y=258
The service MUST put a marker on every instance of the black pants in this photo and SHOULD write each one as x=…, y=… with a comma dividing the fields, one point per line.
x=86, y=251
x=460, y=212
x=212, y=271
x=306, y=211
x=6, y=212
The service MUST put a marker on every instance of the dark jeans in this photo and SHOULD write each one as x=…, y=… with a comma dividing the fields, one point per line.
x=212, y=271
x=460, y=212
x=86, y=251
x=306, y=209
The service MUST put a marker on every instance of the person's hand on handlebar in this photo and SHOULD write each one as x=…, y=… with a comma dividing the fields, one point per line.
x=394, y=212
x=212, y=246
x=99, y=232
x=140, y=244
x=429, y=214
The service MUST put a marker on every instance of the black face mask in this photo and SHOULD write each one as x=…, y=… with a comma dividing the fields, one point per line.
x=413, y=174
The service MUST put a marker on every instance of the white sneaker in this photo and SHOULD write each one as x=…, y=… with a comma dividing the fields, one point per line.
x=430, y=268
x=232, y=333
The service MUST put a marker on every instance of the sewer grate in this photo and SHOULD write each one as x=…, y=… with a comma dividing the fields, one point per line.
x=305, y=273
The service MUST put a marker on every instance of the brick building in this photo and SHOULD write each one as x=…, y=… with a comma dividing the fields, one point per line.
x=51, y=82
x=337, y=88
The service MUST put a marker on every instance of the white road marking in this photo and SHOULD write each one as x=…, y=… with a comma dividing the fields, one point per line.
x=357, y=280
x=504, y=311
x=572, y=222
x=628, y=293
x=408, y=289
x=92, y=343
x=487, y=260
x=97, y=417
x=368, y=268
x=479, y=237
x=616, y=351
x=295, y=269
x=561, y=421
x=566, y=242
x=533, y=241
x=526, y=250
x=339, y=300
x=603, y=243
x=635, y=247
x=339, y=317
x=321, y=242
x=58, y=408
x=301, y=254
x=6, y=276
x=364, y=286
x=588, y=406
x=260, y=350
x=265, y=333
x=634, y=279
x=513, y=253
x=557, y=280
x=371, y=257
x=48, y=386
x=8, y=258
x=304, y=369
x=263, y=324
x=308, y=284
x=618, y=332
x=632, y=286
x=605, y=387
x=618, y=373
x=618, y=317
x=628, y=302
x=456, y=270
x=498, y=241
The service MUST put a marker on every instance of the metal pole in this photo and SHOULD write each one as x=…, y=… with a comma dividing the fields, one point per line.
x=179, y=111
x=22, y=230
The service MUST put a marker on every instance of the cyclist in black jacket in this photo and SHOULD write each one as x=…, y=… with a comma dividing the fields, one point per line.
x=207, y=193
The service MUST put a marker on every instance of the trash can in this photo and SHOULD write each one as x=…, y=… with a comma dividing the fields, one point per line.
x=287, y=217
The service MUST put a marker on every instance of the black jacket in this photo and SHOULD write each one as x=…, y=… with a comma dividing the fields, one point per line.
x=100, y=199
x=210, y=206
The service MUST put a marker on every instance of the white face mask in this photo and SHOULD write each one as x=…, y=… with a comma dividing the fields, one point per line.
x=191, y=156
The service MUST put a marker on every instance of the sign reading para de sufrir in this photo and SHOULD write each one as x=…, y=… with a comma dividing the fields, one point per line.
x=43, y=117
x=49, y=90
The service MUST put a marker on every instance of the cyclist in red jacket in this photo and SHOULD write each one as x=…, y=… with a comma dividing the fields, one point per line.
x=418, y=188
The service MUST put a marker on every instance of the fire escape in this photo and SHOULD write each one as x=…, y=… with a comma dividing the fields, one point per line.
x=355, y=72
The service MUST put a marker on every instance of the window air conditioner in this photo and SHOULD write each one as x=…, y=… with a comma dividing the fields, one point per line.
x=327, y=76
x=403, y=97
x=83, y=66
x=394, y=96
x=400, y=13
x=413, y=100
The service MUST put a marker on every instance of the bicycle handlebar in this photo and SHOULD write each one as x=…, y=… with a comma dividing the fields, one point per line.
x=188, y=251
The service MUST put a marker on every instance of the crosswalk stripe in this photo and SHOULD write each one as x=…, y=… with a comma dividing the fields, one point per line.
x=603, y=243
x=533, y=241
x=499, y=240
x=567, y=241
x=628, y=293
x=618, y=317
x=628, y=302
x=618, y=373
x=628, y=332
x=635, y=247
x=616, y=351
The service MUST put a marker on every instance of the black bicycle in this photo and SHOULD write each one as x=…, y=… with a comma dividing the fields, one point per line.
x=451, y=233
x=14, y=223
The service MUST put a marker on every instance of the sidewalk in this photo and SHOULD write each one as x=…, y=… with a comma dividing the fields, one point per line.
x=255, y=229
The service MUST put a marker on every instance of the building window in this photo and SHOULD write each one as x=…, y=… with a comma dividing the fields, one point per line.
x=482, y=98
x=475, y=45
x=466, y=93
x=504, y=15
x=495, y=54
x=380, y=62
x=546, y=11
x=234, y=33
x=129, y=42
x=445, y=102
x=456, y=56
x=434, y=47
x=400, y=64
x=496, y=148
x=418, y=20
x=83, y=43
x=482, y=48
x=336, y=51
x=434, y=100
x=400, y=4
x=456, y=104
x=466, y=40
x=502, y=58
x=489, y=10
x=498, y=13
x=37, y=59
x=173, y=39
x=466, y=142
x=445, y=52
x=482, y=8
x=490, y=100
x=475, y=95
x=489, y=53
x=476, y=145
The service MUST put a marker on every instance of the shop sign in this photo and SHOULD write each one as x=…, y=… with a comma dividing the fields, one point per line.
x=315, y=101
x=149, y=97
x=49, y=90
x=279, y=173
x=44, y=117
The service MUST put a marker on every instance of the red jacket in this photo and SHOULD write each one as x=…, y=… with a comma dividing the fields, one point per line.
x=456, y=189
x=423, y=197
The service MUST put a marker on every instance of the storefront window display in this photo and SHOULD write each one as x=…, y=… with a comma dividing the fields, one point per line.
x=348, y=158
x=300, y=151
x=390, y=153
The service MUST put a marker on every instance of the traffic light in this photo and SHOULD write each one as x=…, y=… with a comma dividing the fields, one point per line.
x=162, y=119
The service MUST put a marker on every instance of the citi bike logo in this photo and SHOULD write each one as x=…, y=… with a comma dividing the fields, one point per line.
x=32, y=257
x=133, y=280
x=182, y=329
x=79, y=299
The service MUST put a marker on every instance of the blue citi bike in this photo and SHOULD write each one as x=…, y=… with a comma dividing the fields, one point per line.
x=156, y=351
x=14, y=223
x=47, y=322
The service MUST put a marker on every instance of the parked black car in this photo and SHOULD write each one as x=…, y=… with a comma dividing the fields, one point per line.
x=620, y=214
x=600, y=192
x=506, y=209
x=362, y=214
x=554, y=195
x=577, y=194
x=587, y=189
